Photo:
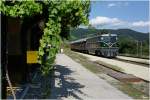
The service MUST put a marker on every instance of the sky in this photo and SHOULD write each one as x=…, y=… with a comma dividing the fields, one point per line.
x=120, y=14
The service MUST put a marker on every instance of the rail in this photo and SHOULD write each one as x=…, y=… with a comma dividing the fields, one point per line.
x=133, y=60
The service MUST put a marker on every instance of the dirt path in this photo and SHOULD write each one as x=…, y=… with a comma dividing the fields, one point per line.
x=73, y=81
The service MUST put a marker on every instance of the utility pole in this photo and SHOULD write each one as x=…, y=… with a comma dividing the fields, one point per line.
x=141, y=48
x=137, y=48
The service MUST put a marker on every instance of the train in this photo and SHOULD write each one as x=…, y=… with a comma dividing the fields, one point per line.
x=105, y=45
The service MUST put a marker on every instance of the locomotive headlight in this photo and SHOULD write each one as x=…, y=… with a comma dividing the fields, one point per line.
x=103, y=45
x=116, y=38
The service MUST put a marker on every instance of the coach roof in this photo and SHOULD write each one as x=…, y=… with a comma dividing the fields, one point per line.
x=84, y=39
x=80, y=40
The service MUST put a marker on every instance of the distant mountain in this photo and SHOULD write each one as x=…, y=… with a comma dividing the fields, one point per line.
x=82, y=33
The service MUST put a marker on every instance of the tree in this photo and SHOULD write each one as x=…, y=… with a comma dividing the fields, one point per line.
x=127, y=45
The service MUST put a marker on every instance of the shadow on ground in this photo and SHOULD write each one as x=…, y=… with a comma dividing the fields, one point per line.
x=66, y=85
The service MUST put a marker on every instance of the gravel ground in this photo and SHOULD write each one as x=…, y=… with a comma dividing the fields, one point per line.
x=136, y=70
x=73, y=81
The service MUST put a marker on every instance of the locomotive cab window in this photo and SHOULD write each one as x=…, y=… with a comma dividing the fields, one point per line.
x=113, y=39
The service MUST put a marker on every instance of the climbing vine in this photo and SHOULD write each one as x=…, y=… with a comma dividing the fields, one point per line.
x=20, y=8
x=62, y=15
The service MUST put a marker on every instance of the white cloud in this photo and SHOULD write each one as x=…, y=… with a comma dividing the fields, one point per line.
x=100, y=20
x=111, y=5
x=117, y=4
x=141, y=24
x=115, y=23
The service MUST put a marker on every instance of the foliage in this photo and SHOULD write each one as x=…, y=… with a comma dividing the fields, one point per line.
x=61, y=16
x=21, y=8
x=145, y=47
x=120, y=32
x=128, y=45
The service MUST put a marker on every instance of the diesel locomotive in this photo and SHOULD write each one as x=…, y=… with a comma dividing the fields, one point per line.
x=102, y=45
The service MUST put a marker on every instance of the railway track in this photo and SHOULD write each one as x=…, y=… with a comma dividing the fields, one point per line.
x=119, y=75
x=116, y=73
x=139, y=61
x=144, y=62
x=136, y=69
x=132, y=62
x=112, y=75
x=125, y=78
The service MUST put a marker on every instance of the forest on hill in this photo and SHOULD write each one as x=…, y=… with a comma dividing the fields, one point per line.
x=82, y=33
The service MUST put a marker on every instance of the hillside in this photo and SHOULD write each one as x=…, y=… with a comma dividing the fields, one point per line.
x=81, y=33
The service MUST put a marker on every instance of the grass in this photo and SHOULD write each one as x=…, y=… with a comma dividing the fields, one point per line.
x=83, y=61
x=127, y=88
x=110, y=66
x=135, y=56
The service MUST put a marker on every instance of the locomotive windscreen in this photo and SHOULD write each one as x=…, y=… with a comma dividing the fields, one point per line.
x=113, y=39
x=107, y=38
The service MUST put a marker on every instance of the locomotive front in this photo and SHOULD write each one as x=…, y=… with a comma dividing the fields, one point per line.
x=108, y=45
